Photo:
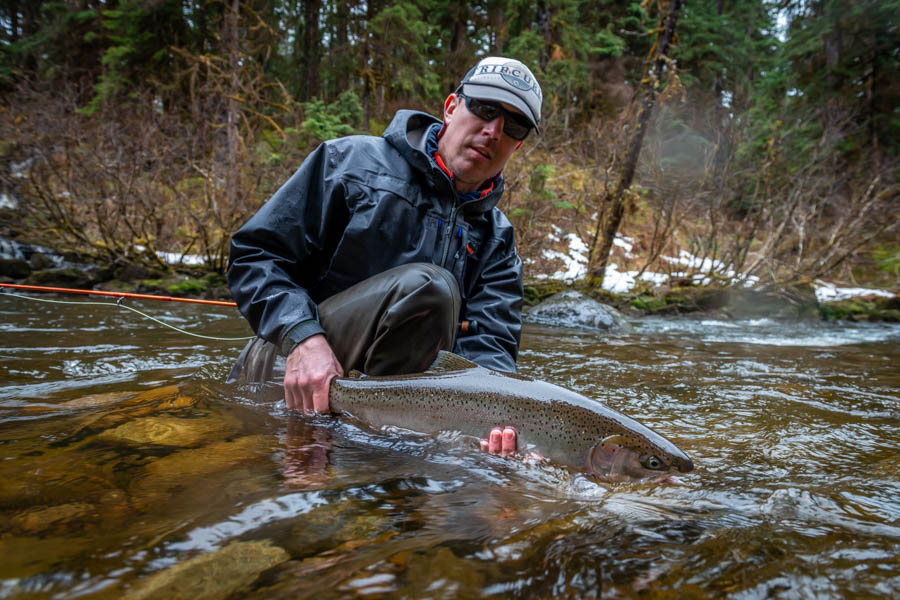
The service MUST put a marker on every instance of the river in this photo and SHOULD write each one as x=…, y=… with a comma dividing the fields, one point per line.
x=129, y=469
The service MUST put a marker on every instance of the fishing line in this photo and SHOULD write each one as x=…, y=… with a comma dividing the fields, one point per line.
x=132, y=309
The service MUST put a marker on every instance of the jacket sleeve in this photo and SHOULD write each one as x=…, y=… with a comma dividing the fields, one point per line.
x=496, y=304
x=282, y=250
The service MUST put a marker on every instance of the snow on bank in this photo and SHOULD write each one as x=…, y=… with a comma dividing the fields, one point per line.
x=828, y=292
x=619, y=282
x=175, y=258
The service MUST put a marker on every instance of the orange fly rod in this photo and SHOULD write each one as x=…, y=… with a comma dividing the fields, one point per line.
x=58, y=290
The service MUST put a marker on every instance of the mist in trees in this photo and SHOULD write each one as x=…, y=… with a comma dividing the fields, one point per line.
x=132, y=126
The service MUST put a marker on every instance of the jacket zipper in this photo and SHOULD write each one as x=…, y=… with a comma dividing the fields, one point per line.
x=451, y=222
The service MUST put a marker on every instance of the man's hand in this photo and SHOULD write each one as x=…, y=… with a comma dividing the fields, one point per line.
x=308, y=371
x=501, y=441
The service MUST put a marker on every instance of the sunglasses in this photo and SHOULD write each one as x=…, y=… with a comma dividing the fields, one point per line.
x=515, y=125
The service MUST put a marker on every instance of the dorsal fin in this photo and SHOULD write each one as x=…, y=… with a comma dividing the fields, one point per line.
x=447, y=361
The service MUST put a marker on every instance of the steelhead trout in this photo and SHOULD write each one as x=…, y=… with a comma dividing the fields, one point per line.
x=568, y=428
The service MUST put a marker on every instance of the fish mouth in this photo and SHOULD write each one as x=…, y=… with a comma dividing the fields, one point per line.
x=660, y=479
x=666, y=479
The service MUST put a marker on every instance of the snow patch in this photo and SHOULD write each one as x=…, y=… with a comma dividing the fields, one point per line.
x=621, y=282
x=828, y=292
x=176, y=258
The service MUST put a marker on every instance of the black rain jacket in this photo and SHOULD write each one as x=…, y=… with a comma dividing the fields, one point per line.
x=360, y=205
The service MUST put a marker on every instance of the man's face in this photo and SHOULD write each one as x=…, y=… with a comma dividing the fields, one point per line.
x=473, y=149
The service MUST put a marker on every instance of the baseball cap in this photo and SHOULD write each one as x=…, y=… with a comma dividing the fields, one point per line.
x=505, y=80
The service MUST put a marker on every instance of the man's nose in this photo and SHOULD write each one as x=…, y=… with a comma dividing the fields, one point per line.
x=494, y=128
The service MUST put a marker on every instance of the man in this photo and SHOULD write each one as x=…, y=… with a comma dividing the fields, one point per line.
x=379, y=252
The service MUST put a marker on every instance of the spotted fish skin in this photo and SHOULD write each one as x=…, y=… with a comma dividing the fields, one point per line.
x=457, y=395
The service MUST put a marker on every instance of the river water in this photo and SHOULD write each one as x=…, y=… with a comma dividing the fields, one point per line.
x=127, y=469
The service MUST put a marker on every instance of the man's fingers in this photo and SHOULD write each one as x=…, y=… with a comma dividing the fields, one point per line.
x=291, y=399
x=309, y=369
x=501, y=441
x=508, y=442
x=495, y=441
x=320, y=396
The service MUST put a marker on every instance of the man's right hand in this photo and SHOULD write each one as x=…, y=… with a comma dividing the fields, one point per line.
x=308, y=372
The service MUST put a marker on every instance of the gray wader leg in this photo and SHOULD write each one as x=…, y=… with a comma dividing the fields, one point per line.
x=389, y=324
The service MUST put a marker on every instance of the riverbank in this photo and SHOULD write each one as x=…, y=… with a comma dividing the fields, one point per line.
x=732, y=303
x=35, y=265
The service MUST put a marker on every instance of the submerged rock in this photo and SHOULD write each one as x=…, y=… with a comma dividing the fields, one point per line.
x=27, y=559
x=220, y=574
x=82, y=403
x=59, y=518
x=186, y=474
x=141, y=405
x=574, y=309
x=168, y=431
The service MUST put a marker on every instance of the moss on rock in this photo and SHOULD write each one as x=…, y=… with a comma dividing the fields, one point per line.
x=537, y=291
x=861, y=310
x=67, y=277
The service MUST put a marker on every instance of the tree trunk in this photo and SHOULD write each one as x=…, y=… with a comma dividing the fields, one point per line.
x=232, y=111
x=722, y=120
x=616, y=200
x=543, y=23
x=311, y=49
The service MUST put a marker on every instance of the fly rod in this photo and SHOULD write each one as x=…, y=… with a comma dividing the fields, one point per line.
x=59, y=290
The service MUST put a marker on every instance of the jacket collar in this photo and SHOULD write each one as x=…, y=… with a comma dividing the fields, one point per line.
x=409, y=133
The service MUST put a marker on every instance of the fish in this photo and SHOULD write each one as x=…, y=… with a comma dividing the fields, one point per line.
x=455, y=394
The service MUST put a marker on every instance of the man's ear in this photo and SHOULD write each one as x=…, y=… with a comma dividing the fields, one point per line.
x=450, y=105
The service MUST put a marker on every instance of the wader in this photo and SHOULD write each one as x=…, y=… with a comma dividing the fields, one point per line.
x=392, y=323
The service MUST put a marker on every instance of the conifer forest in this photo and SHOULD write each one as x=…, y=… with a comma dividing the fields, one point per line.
x=762, y=135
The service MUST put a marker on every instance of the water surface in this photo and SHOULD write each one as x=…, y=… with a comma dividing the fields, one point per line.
x=129, y=469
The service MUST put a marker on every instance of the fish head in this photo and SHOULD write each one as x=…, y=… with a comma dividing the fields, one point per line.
x=618, y=458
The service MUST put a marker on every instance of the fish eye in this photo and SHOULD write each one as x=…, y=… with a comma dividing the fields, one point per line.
x=653, y=462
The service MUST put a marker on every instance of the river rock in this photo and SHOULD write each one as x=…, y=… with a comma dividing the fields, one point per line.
x=168, y=431
x=54, y=477
x=25, y=557
x=85, y=402
x=220, y=574
x=574, y=309
x=14, y=268
x=39, y=519
x=40, y=261
x=862, y=309
x=186, y=475
x=66, y=277
x=142, y=405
